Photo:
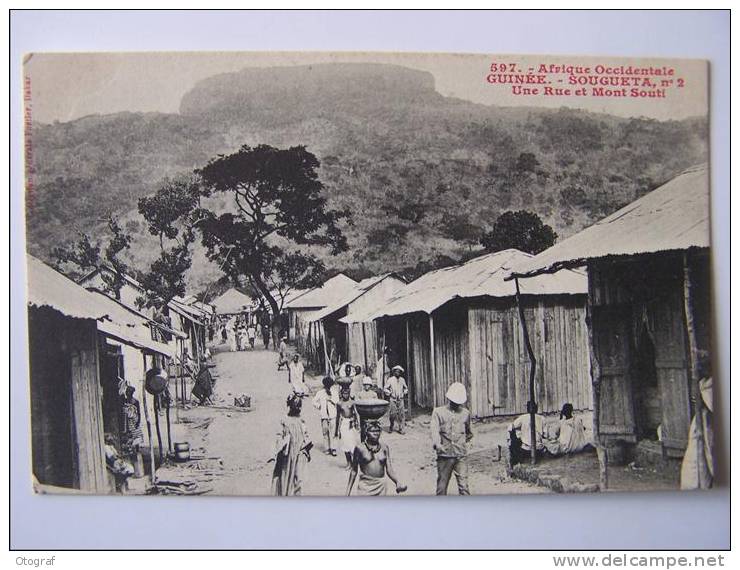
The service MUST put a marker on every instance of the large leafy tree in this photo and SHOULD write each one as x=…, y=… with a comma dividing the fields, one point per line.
x=276, y=203
x=84, y=255
x=275, y=217
x=522, y=230
x=172, y=215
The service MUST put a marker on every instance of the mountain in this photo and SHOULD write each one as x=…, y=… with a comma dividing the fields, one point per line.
x=423, y=174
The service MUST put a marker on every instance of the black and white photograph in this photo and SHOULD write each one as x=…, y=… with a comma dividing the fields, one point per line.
x=367, y=274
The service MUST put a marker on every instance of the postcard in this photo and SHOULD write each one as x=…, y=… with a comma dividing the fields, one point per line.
x=268, y=273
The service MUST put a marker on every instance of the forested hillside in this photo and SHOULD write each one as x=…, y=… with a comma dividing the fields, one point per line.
x=423, y=175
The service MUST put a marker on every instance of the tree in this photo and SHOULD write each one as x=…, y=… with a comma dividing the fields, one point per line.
x=526, y=162
x=276, y=216
x=520, y=230
x=83, y=256
x=460, y=228
x=276, y=201
x=172, y=215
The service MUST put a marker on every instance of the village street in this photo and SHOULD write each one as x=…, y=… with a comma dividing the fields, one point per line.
x=243, y=441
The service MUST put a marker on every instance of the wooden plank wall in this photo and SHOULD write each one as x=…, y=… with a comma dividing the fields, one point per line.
x=420, y=369
x=87, y=409
x=499, y=364
x=358, y=347
x=642, y=295
x=53, y=442
x=451, y=351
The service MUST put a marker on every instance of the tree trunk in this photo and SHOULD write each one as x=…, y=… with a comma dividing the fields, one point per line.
x=274, y=307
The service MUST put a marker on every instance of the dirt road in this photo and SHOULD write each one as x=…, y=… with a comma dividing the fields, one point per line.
x=244, y=440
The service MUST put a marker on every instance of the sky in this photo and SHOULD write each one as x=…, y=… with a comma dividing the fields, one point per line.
x=67, y=86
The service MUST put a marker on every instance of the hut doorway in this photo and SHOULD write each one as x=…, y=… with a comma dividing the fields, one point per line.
x=648, y=404
x=111, y=374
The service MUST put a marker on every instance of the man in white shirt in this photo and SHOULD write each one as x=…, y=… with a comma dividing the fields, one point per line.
x=283, y=350
x=521, y=439
x=296, y=374
x=325, y=401
x=450, y=428
x=396, y=389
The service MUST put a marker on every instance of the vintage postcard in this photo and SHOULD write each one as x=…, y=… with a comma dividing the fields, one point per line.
x=367, y=273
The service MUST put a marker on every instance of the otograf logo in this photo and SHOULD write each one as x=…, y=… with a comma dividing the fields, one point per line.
x=35, y=562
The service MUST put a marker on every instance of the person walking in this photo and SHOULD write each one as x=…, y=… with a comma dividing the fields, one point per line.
x=396, y=390
x=292, y=451
x=251, y=335
x=450, y=428
x=347, y=424
x=297, y=376
x=325, y=401
x=282, y=350
x=372, y=459
x=368, y=390
x=356, y=386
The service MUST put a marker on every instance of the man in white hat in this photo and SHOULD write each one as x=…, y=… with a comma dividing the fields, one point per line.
x=368, y=390
x=451, y=433
x=396, y=390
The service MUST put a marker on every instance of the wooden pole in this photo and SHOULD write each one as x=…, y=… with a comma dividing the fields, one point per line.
x=412, y=389
x=169, y=425
x=532, y=370
x=156, y=401
x=327, y=364
x=177, y=381
x=152, y=476
x=433, y=359
x=596, y=389
x=364, y=346
x=694, y=371
x=183, y=379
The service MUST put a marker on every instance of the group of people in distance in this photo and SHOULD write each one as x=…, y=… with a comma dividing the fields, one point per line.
x=368, y=459
x=240, y=333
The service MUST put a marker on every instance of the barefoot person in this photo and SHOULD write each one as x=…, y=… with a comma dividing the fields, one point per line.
x=451, y=433
x=396, y=390
x=372, y=458
x=283, y=351
x=292, y=451
x=347, y=423
x=297, y=376
x=325, y=401
x=356, y=387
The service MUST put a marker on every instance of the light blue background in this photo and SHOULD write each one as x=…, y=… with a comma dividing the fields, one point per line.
x=615, y=521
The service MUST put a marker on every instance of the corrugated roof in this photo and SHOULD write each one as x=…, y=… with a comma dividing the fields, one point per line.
x=482, y=276
x=319, y=297
x=127, y=326
x=231, y=301
x=130, y=280
x=289, y=297
x=355, y=293
x=188, y=311
x=673, y=217
x=49, y=288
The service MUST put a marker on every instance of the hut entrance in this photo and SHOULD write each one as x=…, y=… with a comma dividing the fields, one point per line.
x=111, y=373
x=648, y=405
x=336, y=335
x=394, y=351
x=53, y=432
